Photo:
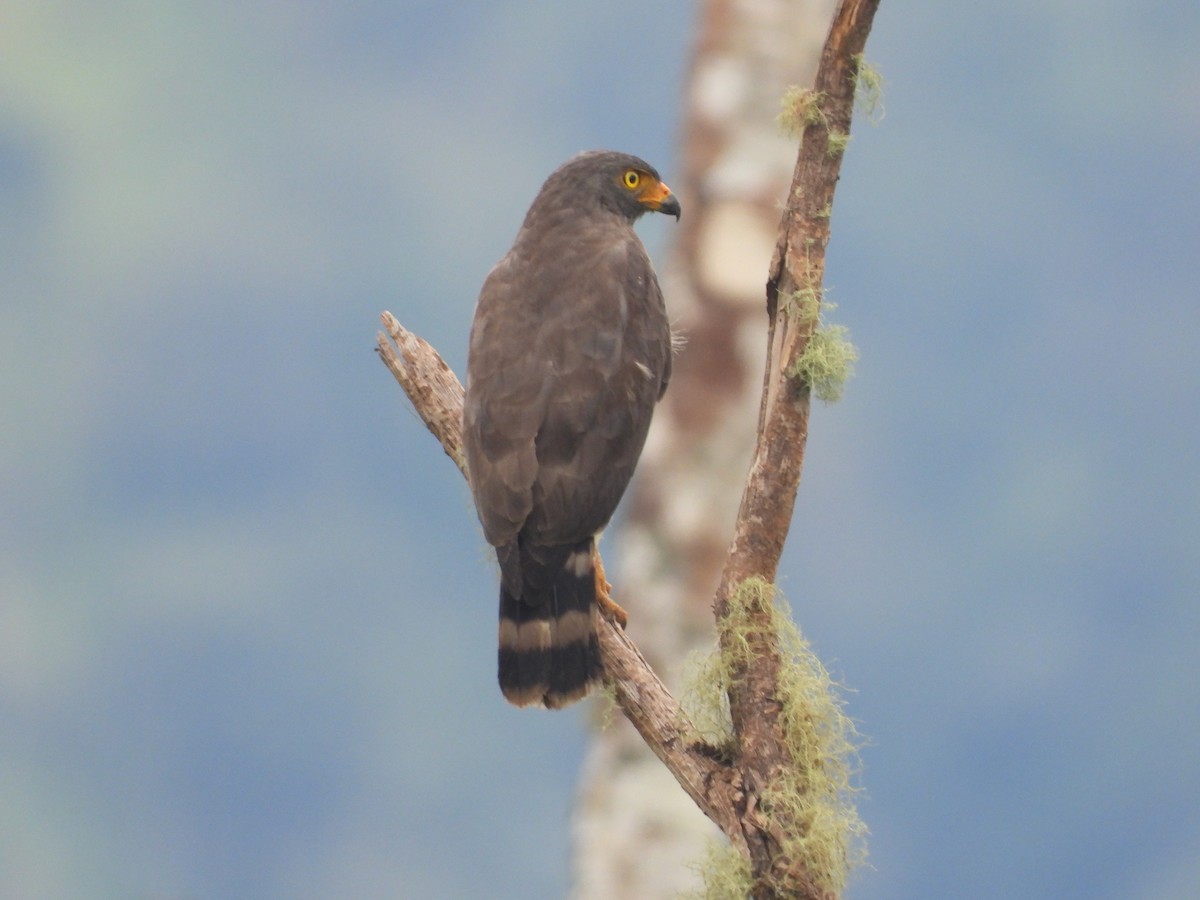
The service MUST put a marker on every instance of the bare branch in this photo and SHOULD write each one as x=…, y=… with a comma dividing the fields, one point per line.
x=658, y=718
x=437, y=396
x=431, y=385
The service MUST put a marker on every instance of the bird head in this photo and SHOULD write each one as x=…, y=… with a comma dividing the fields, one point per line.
x=615, y=181
x=648, y=190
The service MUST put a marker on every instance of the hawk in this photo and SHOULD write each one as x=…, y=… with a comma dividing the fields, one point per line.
x=570, y=350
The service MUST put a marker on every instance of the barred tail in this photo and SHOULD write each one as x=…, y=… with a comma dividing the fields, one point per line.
x=549, y=652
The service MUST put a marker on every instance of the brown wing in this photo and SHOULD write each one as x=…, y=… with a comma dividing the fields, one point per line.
x=505, y=402
x=563, y=375
x=596, y=420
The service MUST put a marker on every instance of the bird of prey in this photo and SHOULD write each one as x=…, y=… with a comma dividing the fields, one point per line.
x=570, y=350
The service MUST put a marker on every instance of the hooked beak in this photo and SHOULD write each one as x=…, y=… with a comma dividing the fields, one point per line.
x=660, y=199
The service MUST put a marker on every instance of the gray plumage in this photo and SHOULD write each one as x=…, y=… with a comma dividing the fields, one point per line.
x=570, y=350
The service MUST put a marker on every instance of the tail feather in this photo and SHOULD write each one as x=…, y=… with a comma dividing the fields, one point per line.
x=549, y=652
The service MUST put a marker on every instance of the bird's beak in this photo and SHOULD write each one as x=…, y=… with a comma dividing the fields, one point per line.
x=660, y=199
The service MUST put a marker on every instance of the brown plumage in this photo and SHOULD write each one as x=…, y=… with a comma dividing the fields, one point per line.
x=570, y=351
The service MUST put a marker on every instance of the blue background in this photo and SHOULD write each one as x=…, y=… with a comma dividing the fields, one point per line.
x=247, y=624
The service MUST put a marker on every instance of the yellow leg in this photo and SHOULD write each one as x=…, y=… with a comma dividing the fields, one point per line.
x=604, y=600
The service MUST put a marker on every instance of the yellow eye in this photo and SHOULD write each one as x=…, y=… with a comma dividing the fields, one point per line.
x=632, y=179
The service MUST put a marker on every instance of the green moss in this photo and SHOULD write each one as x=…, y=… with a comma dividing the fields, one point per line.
x=804, y=306
x=604, y=707
x=813, y=798
x=868, y=88
x=801, y=107
x=726, y=874
x=827, y=362
x=836, y=142
x=817, y=794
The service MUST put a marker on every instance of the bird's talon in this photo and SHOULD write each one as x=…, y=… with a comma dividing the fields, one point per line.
x=608, y=606
x=611, y=610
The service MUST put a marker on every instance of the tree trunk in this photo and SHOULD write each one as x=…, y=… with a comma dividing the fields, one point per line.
x=636, y=833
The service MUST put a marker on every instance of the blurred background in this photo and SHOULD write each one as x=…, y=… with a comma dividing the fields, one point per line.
x=247, y=620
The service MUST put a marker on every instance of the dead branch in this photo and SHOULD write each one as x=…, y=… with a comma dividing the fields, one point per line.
x=437, y=395
x=727, y=791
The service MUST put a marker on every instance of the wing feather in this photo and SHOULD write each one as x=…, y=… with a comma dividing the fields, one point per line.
x=563, y=376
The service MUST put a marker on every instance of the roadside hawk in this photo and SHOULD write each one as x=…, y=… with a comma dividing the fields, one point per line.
x=570, y=350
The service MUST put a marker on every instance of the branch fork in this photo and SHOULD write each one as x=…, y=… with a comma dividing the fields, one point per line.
x=728, y=791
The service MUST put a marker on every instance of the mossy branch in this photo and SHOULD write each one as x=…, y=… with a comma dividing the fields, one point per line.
x=778, y=754
x=793, y=370
x=809, y=803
